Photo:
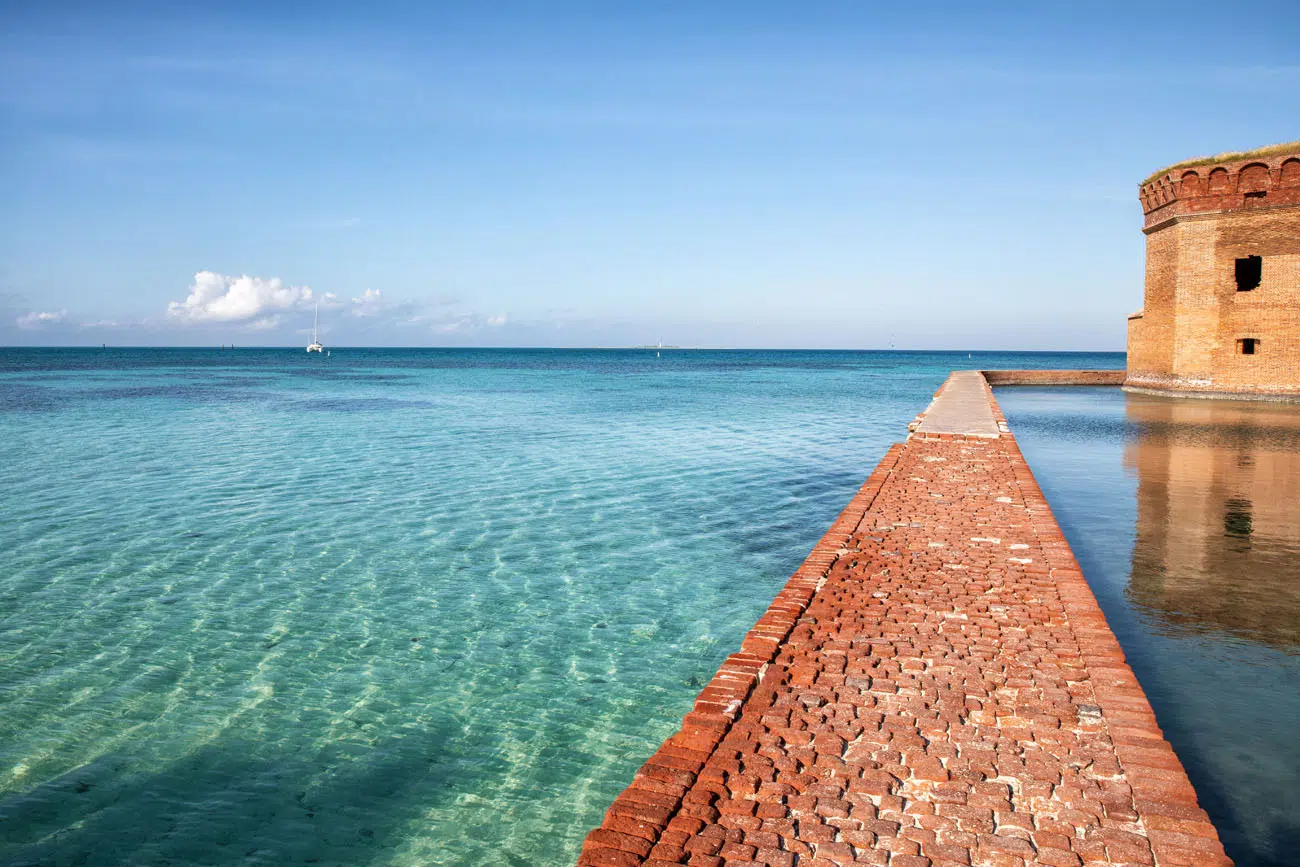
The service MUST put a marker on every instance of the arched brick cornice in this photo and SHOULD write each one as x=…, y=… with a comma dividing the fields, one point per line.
x=1222, y=186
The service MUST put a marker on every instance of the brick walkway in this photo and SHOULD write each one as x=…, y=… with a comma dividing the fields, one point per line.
x=934, y=686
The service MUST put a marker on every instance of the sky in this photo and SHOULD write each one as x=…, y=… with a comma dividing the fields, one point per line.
x=811, y=175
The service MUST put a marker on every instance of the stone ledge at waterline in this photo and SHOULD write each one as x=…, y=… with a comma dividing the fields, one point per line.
x=935, y=686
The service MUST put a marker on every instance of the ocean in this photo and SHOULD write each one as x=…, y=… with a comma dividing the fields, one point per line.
x=394, y=607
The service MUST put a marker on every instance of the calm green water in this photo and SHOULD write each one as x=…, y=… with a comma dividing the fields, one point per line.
x=1185, y=516
x=393, y=607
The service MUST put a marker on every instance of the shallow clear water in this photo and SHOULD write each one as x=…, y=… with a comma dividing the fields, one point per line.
x=393, y=607
x=1184, y=516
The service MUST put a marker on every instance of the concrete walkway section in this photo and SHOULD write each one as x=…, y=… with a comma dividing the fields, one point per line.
x=934, y=687
x=962, y=406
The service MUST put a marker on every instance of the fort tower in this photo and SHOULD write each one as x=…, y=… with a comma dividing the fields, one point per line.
x=1221, y=313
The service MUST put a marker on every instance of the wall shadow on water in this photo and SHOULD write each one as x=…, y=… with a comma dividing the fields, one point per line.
x=221, y=805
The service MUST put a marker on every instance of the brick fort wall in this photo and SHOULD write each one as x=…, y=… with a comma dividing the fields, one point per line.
x=1221, y=312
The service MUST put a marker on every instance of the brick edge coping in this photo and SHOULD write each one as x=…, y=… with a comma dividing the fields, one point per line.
x=1180, y=832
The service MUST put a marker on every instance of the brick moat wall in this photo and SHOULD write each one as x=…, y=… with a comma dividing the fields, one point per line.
x=1054, y=377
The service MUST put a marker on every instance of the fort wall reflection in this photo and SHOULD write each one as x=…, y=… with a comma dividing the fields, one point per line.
x=1218, y=526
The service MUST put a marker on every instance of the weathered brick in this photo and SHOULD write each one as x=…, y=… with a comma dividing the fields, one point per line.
x=1199, y=221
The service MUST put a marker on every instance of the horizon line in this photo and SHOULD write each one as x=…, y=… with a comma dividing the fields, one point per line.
x=634, y=348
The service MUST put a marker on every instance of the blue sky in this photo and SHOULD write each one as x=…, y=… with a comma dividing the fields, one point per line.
x=839, y=175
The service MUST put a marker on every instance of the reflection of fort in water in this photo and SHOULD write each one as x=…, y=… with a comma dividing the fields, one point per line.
x=1218, y=534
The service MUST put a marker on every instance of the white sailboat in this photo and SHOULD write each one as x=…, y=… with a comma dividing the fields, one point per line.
x=315, y=346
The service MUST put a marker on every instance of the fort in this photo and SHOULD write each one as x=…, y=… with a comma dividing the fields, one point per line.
x=1221, y=312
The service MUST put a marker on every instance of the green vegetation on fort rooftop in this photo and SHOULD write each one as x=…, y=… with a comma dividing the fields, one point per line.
x=1231, y=156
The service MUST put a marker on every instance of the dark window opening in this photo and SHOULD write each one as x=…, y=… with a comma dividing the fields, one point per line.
x=1250, y=271
x=1248, y=345
x=1257, y=194
x=1237, y=518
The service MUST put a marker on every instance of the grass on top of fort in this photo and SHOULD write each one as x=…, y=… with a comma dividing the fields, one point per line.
x=1230, y=156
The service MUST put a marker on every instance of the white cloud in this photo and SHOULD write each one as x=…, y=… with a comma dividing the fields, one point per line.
x=264, y=305
x=368, y=303
x=467, y=322
x=217, y=298
x=36, y=319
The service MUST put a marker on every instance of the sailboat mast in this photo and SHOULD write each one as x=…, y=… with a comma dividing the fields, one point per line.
x=314, y=323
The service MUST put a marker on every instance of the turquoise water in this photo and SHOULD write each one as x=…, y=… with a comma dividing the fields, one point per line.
x=393, y=607
x=1183, y=515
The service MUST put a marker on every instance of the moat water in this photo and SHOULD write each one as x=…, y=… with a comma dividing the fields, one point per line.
x=393, y=607
x=1185, y=516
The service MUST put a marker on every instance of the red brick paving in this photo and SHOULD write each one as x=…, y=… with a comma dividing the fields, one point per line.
x=935, y=686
